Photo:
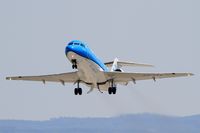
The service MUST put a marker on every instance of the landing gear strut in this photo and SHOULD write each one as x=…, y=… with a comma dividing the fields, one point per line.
x=74, y=64
x=112, y=89
x=78, y=90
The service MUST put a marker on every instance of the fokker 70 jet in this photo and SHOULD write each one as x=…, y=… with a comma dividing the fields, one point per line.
x=94, y=73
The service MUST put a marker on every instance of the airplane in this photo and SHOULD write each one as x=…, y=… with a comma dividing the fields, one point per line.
x=95, y=74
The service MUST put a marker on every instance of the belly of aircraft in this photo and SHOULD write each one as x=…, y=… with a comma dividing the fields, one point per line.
x=89, y=71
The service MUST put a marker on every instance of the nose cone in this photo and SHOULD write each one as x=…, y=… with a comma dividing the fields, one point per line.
x=77, y=49
x=69, y=48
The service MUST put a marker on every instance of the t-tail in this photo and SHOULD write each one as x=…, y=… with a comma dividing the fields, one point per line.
x=117, y=65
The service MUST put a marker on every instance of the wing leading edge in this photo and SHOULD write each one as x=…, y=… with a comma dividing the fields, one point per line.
x=63, y=77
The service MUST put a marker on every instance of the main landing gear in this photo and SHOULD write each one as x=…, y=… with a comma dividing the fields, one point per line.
x=74, y=64
x=112, y=89
x=78, y=90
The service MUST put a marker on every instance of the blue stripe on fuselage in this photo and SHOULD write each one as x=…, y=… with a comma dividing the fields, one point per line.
x=84, y=51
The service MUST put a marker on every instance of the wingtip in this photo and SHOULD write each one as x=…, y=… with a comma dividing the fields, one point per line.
x=8, y=78
x=149, y=65
x=190, y=74
x=152, y=66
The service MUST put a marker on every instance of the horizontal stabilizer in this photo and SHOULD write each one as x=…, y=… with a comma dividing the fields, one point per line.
x=124, y=63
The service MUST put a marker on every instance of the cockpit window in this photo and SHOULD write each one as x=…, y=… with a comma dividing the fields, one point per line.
x=71, y=43
x=82, y=45
x=76, y=43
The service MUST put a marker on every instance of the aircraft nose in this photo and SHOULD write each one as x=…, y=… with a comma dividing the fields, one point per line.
x=73, y=48
x=69, y=48
x=76, y=49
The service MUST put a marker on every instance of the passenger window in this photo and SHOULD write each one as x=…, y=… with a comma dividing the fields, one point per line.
x=71, y=43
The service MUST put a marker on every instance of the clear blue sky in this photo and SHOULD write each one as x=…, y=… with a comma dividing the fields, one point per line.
x=35, y=33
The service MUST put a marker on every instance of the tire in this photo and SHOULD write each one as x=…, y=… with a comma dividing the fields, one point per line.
x=76, y=91
x=80, y=91
x=114, y=90
x=75, y=66
x=110, y=90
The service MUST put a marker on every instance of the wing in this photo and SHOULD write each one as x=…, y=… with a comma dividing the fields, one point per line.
x=126, y=77
x=63, y=77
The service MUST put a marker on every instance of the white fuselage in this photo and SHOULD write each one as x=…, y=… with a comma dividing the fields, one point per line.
x=89, y=72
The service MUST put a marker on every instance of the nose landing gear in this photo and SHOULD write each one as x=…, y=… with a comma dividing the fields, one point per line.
x=74, y=64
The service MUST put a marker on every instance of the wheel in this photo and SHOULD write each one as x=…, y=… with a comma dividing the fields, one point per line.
x=76, y=91
x=80, y=91
x=114, y=90
x=75, y=66
x=110, y=90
